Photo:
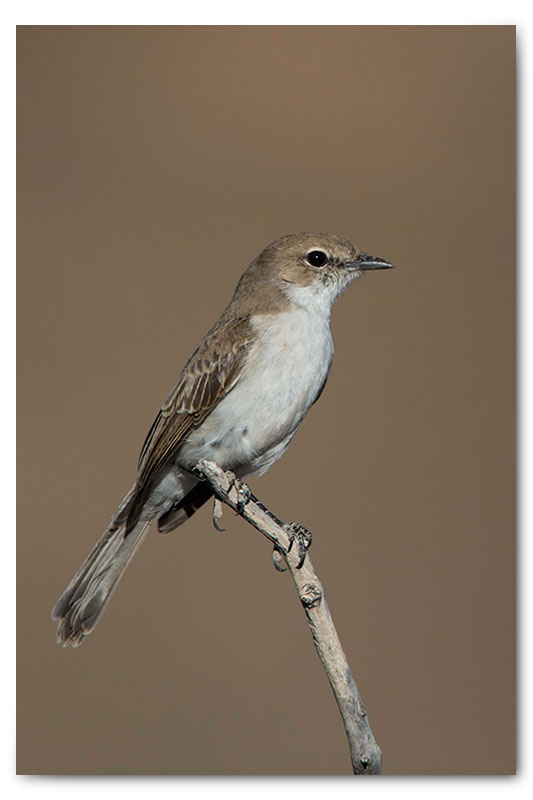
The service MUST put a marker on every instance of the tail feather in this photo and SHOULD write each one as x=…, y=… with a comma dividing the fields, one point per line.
x=82, y=603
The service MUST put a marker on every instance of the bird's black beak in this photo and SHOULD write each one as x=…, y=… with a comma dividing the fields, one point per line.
x=364, y=261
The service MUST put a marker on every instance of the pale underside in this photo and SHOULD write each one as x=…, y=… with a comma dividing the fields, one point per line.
x=252, y=426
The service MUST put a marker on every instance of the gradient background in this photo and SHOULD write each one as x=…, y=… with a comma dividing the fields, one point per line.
x=153, y=164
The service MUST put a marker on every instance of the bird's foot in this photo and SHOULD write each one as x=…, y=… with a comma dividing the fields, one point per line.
x=300, y=535
x=243, y=491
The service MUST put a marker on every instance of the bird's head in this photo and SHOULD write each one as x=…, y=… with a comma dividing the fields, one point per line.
x=313, y=269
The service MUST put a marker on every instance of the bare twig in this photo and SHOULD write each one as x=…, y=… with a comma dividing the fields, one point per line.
x=365, y=753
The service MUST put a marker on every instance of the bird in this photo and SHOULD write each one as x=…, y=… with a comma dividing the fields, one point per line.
x=239, y=401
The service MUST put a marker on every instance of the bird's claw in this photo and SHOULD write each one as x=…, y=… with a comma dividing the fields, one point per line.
x=297, y=533
x=217, y=514
x=243, y=491
x=278, y=558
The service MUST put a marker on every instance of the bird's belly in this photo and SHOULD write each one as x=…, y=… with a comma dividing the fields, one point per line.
x=254, y=424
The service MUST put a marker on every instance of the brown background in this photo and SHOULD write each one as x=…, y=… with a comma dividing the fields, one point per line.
x=154, y=163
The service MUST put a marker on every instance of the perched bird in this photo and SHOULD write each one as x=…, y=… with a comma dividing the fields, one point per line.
x=238, y=402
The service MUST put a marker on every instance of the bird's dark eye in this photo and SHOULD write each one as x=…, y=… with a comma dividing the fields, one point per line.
x=317, y=258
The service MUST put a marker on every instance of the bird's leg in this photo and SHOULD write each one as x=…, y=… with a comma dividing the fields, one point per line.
x=245, y=495
x=244, y=492
x=297, y=533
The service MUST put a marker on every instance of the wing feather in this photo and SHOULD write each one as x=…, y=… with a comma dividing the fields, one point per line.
x=211, y=372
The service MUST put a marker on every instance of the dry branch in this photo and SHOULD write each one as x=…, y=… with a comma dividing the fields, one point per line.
x=365, y=753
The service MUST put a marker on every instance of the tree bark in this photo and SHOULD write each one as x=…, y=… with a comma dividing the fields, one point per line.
x=364, y=751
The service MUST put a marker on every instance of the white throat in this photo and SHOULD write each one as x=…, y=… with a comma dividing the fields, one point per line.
x=318, y=297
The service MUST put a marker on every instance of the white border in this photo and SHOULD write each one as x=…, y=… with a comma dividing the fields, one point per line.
x=292, y=12
x=287, y=13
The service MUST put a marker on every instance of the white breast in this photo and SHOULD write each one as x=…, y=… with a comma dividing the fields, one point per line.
x=284, y=373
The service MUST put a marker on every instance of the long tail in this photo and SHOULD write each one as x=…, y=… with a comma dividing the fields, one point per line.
x=82, y=603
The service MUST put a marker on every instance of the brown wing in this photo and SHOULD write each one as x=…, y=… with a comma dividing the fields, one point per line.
x=211, y=372
x=201, y=386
